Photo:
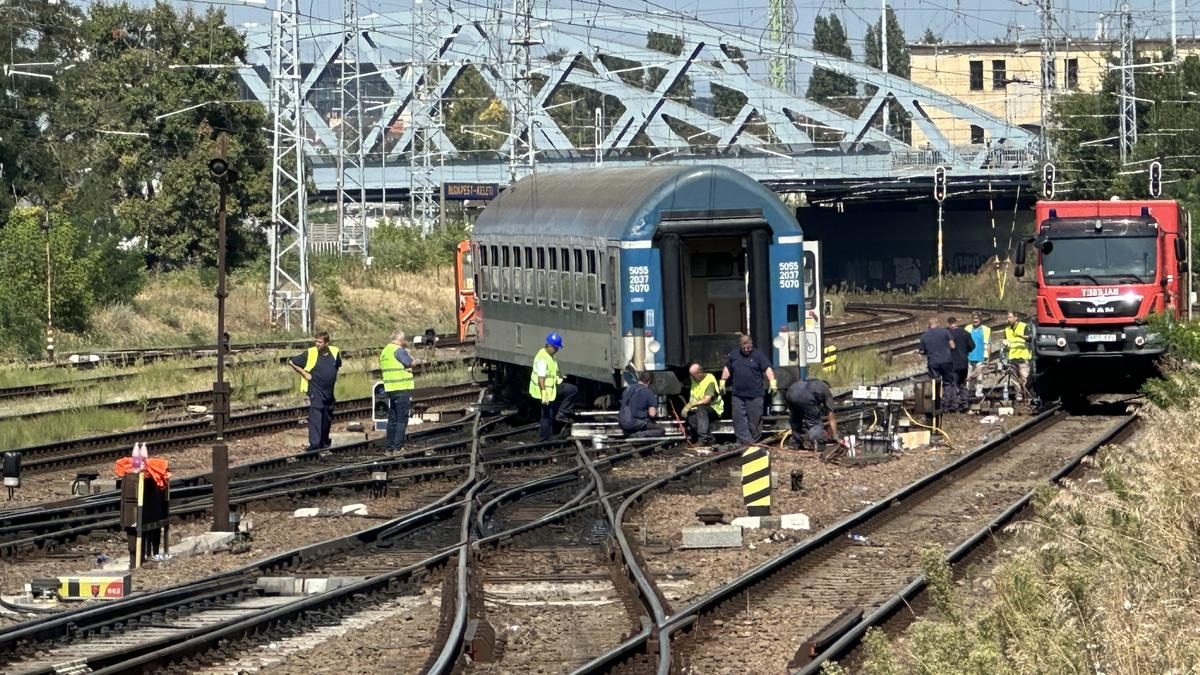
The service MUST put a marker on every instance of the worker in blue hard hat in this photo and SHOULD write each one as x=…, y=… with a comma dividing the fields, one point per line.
x=547, y=386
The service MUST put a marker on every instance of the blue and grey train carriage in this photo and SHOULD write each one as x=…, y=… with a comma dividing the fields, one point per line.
x=642, y=269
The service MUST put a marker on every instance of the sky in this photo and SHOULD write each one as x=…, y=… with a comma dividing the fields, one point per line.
x=953, y=20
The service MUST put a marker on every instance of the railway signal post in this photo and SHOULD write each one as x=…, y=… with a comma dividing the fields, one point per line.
x=224, y=175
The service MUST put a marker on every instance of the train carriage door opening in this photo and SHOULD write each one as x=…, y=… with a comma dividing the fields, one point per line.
x=814, y=304
x=716, y=284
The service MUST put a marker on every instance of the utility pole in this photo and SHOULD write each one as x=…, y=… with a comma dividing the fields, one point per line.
x=883, y=60
x=424, y=186
x=224, y=176
x=1048, y=77
x=351, y=182
x=1128, y=99
x=523, y=153
x=780, y=22
x=289, y=297
x=49, y=296
x=1174, y=53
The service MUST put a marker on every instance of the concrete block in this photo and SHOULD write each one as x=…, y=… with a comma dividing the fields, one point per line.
x=277, y=585
x=307, y=512
x=208, y=542
x=354, y=510
x=712, y=536
x=790, y=521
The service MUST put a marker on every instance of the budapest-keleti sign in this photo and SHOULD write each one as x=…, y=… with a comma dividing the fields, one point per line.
x=463, y=191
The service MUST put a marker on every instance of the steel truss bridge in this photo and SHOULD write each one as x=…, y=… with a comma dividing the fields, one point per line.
x=787, y=157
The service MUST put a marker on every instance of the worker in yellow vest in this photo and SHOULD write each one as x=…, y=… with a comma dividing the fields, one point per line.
x=395, y=365
x=704, y=405
x=318, y=369
x=557, y=397
x=1016, y=340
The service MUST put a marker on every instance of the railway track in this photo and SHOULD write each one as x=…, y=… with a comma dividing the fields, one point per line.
x=220, y=624
x=891, y=347
x=91, y=449
x=810, y=602
x=61, y=388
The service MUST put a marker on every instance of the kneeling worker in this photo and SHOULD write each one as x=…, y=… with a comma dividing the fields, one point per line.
x=639, y=407
x=810, y=408
x=545, y=384
x=704, y=405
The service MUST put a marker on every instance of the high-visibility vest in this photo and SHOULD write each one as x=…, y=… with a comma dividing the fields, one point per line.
x=395, y=376
x=551, y=375
x=312, y=362
x=698, y=389
x=1016, y=337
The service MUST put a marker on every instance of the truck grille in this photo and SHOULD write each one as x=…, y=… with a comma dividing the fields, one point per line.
x=1087, y=308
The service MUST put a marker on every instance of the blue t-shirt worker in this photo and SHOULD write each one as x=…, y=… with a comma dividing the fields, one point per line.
x=318, y=369
x=746, y=368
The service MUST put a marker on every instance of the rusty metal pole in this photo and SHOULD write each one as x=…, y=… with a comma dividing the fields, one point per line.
x=219, y=168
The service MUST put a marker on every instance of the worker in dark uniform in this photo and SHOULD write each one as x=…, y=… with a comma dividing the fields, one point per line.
x=938, y=346
x=318, y=369
x=547, y=387
x=810, y=409
x=746, y=367
x=639, y=407
x=963, y=345
x=704, y=405
x=395, y=367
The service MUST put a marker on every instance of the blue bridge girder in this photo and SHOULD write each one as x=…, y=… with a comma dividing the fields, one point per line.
x=791, y=158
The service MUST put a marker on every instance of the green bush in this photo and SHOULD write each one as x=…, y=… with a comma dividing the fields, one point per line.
x=1179, y=386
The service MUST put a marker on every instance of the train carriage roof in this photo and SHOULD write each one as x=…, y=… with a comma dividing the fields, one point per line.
x=626, y=204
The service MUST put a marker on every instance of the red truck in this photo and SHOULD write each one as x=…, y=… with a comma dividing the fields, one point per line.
x=1103, y=267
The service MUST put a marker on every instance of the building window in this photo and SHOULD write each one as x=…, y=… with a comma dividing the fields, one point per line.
x=977, y=76
x=1050, y=76
x=1072, y=73
x=999, y=76
x=976, y=134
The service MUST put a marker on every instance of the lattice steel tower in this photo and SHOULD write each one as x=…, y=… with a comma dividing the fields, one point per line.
x=522, y=147
x=781, y=22
x=288, y=296
x=1128, y=89
x=425, y=156
x=351, y=187
x=1046, y=9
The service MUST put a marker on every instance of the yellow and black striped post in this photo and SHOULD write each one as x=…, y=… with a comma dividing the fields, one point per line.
x=829, y=359
x=756, y=481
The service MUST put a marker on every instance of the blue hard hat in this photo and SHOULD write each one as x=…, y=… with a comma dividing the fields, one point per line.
x=554, y=340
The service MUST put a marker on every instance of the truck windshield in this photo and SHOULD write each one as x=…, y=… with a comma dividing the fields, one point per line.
x=1099, y=261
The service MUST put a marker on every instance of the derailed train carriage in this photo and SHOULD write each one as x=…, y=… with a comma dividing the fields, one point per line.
x=640, y=269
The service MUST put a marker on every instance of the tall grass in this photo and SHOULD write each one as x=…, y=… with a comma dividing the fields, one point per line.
x=178, y=309
x=854, y=368
x=66, y=425
x=994, y=286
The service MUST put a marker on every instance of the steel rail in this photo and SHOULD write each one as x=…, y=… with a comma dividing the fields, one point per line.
x=852, y=637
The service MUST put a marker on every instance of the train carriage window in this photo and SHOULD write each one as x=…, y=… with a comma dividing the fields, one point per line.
x=593, y=283
x=611, y=278
x=495, y=272
x=483, y=272
x=580, y=282
x=541, y=276
x=529, y=292
x=505, y=274
x=565, y=286
x=552, y=288
x=554, y=259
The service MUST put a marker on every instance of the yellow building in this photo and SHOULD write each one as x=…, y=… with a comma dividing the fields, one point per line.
x=1004, y=78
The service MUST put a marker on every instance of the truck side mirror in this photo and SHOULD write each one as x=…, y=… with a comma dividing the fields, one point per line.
x=1019, y=260
x=1181, y=254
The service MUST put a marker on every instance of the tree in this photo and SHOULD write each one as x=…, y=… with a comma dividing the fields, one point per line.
x=23, y=267
x=136, y=74
x=899, y=63
x=827, y=86
x=929, y=38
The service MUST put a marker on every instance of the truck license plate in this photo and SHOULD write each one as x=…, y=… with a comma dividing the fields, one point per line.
x=1102, y=337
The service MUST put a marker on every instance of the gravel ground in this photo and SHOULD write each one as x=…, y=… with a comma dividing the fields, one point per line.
x=56, y=485
x=829, y=493
x=275, y=531
x=396, y=636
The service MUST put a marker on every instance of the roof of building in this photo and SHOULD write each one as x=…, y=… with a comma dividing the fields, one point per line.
x=1186, y=44
x=625, y=204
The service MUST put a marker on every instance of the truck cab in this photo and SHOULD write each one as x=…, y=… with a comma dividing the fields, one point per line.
x=1102, y=268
